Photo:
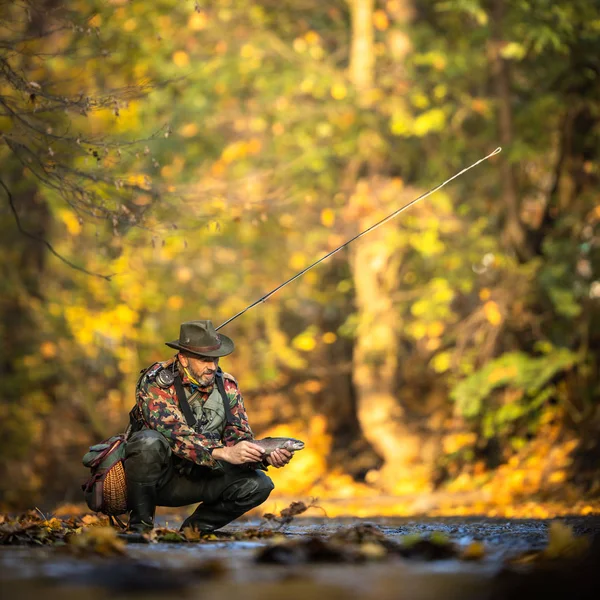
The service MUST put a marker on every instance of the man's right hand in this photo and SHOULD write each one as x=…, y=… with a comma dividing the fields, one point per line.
x=242, y=452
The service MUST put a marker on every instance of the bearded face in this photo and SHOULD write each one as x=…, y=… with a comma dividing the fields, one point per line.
x=202, y=368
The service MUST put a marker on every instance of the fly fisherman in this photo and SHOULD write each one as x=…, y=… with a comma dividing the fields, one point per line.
x=192, y=441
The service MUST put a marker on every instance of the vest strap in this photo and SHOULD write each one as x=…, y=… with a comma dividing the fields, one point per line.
x=221, y=388
x=183, y=403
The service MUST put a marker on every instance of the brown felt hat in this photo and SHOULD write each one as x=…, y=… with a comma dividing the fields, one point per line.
x=200, y=338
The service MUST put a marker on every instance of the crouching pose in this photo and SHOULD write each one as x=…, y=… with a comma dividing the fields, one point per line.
x=192, y=441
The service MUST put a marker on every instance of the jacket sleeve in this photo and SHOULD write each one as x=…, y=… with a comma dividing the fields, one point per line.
x=161, y=412
x=239, y=429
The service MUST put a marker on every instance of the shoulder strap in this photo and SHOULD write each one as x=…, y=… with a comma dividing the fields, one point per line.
x=183, y=403
x=221, y=388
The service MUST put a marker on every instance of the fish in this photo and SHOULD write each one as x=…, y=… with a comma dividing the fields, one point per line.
x=269, y=444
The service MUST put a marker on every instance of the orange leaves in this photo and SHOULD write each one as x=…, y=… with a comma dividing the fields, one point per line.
x=492, y=312
x=48, y=350
x=188, y=130
x=380, y=20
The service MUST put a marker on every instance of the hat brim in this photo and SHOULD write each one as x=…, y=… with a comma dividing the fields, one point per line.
x=227, y=346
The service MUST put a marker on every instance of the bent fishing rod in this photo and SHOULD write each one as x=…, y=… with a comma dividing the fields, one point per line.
x=359, y=235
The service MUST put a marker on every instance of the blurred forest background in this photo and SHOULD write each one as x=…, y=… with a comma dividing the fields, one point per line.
x=172, y=160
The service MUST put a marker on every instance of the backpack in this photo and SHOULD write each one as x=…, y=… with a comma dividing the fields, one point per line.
x=106, y=489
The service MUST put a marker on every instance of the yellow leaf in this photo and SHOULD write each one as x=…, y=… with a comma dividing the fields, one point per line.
x=175, y=302
x=442, y=362
x=484, y=294
x=297, y=260
x=563, y=543
x=327, y=217
x=435, y=329
x=197, y=21
x=380, y=20
x=130, y=24
x=181, y=58
x=492, y=312
x=312, y=37
x=329, y=337
x=71, y=222
x=338, y=91
x=188, y=130
x=474, y=551
x=304, y=341
x=300, y=45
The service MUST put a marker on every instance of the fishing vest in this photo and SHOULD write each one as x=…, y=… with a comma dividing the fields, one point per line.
x=210, y=416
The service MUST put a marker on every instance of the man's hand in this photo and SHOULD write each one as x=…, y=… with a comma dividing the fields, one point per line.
x=279, y=458
x=242, y=452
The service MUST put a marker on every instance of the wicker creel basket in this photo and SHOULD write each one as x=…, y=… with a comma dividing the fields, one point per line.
x=114, y=492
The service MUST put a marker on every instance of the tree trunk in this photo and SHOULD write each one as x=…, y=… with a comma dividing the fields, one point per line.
x=375, y=264
x=514, y=234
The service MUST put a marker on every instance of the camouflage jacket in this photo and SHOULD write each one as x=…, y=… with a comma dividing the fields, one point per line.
x=160, y=411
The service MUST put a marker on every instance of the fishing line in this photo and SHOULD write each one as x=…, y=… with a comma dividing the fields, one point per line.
x=375, y=226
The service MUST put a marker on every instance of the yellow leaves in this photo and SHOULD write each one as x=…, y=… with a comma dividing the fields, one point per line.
x=484, y=294
x=297, y=261
x=97, y=540
x=441, y=362
x=338, y=91
x=140, y=180
x=557, y=477
x=71, y=221
x=431, y=121
x=312, y=37
x=130, y=25
x=240, y=149
x=253, y=146
x=183, y=274
x=329, y=337
x=305, y=342
x=175, y=303
x=492, y=312
x=188, y=130
x=474, y=551
x=380, y=20
x=181, y=58
x=300, y=45
x=198, y=21
x=513, y=51
x=247, y=51
x=327, y=217
x=454, y=442
x=48, y=350
x=562, y=542
x=502, y=373
x=435, y=329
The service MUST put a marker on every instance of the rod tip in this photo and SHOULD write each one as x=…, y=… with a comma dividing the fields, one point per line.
x=496, y=151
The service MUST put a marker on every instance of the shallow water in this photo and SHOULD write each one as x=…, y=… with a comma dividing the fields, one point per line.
x=165, y=570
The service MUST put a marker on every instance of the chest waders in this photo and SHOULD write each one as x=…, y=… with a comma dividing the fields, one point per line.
x=214, y=414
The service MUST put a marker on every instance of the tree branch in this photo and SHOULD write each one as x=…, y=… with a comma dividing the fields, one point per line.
x=46, y=242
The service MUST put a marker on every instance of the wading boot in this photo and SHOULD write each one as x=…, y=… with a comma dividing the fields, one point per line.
x=141, y=501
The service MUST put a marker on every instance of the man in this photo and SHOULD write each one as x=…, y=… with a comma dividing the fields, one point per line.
x=192, y=441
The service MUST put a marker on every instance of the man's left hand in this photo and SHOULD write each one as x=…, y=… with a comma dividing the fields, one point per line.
x=279, y=458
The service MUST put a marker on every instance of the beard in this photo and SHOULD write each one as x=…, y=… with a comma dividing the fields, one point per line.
x=205, y=377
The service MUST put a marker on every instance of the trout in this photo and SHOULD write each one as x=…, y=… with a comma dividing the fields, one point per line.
x=269, y=444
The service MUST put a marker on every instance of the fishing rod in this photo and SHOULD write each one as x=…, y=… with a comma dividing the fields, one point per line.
x=375, y=226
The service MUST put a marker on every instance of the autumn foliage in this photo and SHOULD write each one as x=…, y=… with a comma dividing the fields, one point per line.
x=178, y=160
